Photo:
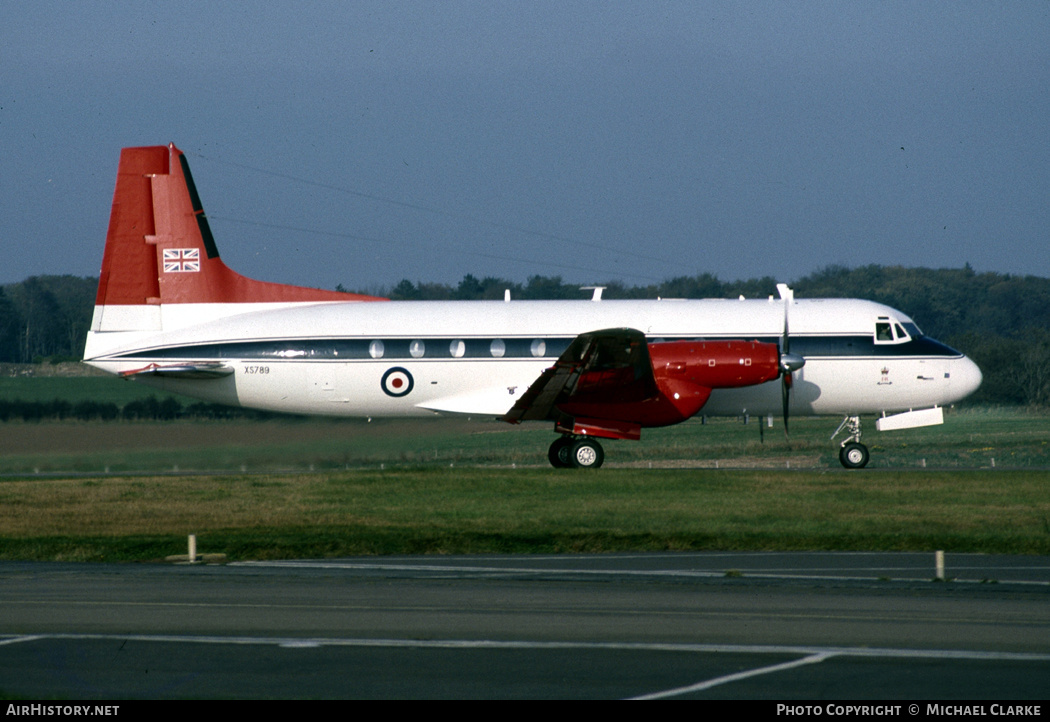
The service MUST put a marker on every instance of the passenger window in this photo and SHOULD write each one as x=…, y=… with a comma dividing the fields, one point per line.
x=416, y=349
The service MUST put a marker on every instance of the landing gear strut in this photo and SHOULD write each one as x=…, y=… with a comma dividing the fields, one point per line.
x=853, y=454
x=574, y=452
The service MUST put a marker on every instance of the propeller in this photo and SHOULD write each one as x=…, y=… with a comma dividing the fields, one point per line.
x=789, y=362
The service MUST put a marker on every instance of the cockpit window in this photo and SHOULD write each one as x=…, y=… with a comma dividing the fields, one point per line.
x=890, y=330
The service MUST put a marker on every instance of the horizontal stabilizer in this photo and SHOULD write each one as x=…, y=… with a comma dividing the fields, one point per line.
x=911, y=419
x=212, y=370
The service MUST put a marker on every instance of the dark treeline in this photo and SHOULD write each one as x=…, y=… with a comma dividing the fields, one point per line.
x=1002, y=321
x=148, y=409
x=45, y=317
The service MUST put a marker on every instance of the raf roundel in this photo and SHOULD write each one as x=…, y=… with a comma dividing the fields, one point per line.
x=397, y=382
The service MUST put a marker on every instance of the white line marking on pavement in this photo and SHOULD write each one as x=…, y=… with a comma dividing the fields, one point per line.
x=16, y=640
x=700, y=686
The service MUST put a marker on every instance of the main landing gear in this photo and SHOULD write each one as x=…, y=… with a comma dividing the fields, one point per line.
x=575, y=452
x=853, y=454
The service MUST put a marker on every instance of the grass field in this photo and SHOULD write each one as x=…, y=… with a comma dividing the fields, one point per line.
x=442, y=510
x=310, y=488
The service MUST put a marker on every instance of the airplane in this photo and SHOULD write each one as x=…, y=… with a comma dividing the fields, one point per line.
x=171, y=314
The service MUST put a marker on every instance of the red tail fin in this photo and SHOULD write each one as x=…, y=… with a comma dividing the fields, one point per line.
x=159, y=248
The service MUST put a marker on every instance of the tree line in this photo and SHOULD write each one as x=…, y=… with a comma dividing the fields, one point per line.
x=45, y=317
x=148, y=409
x=1002, y=321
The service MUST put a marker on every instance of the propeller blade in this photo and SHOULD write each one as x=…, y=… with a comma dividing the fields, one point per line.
x=785, y=396
x=789, y=362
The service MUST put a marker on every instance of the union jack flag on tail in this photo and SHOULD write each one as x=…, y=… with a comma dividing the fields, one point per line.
x=182, y=260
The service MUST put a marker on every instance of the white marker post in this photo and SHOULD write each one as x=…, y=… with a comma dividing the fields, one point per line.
x=193, y=549
x=939, y=556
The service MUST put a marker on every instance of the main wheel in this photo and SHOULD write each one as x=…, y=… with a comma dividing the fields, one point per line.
x=558, y=453
x=854, y=455
x=586, y=454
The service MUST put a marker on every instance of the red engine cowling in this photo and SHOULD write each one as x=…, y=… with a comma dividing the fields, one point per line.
x=716, y=364
x=685, y=373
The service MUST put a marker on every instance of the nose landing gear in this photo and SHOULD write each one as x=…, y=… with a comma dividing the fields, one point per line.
x=852, y=454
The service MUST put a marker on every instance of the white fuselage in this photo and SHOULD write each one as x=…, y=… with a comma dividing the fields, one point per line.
x=414, y=358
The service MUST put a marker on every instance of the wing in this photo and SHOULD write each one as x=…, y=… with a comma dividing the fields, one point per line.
x=611, y=366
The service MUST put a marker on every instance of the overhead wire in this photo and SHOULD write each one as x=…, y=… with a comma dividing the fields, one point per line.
x=547, y=237
x=379, y=241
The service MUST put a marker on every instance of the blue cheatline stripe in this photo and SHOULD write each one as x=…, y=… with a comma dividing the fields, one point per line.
x=446, y=347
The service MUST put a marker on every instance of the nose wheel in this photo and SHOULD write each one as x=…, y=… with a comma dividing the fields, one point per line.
x=568, y=452
x=853, y=454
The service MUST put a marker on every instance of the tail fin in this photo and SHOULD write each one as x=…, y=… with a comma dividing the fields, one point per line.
x=160, y=250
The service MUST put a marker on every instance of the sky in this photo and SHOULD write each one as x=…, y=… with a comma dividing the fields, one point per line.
x=361, y=143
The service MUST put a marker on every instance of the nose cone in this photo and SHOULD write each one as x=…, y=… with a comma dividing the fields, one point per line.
x=966, y=378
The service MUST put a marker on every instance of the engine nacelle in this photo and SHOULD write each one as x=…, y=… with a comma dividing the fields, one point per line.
x=715, y=364
x=687, y=371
